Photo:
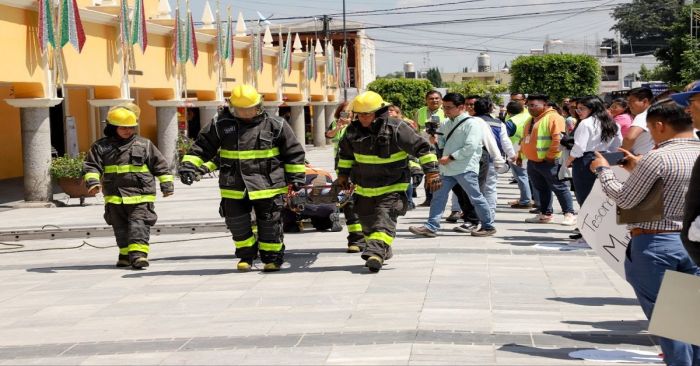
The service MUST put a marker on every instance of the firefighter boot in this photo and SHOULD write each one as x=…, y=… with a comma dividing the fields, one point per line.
x=138, y=260
x=272, y=267
x=353, y=248
x=244, y=265
x=123, y=261
x=374, y=263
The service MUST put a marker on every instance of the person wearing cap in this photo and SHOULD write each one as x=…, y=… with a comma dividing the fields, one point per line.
x=260, y=160
x=690, y=234
x=125, y=166
x=374, y=155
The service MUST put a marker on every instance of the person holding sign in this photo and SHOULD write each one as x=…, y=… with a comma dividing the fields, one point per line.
x=656, y=243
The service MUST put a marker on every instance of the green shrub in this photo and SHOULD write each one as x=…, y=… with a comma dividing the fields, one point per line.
x=407, y=94
x=558, y=76
x=67, y=166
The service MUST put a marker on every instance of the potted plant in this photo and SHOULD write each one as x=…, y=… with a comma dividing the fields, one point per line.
x=68, y=172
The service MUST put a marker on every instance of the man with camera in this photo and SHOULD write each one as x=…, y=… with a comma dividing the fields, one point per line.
x=656, y=245
x=428, y=119
x=461, y=138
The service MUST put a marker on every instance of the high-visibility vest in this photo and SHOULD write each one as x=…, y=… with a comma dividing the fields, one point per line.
x=423, y=116
x=544, y=139
x=520, y=120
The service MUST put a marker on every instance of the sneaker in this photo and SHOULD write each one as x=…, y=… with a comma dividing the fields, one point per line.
x=569, y=219
x=521, y=205
x=123, y=261
x=374, y=263
x=335, y=220
x=353, y=248
x=454, y=217
x=513, y=181
x=139, y=263
x=244, y=265
x=539, y=219
x=484, y=232
x=422, y=231
x=425, y=204
x=466, y=228
x=535, y=211
x=272, y=267
x=575, y=236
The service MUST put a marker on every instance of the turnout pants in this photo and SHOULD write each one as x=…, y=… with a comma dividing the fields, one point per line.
x=268, y=215
x=378, y=217
x=355, y=235
x=132, y=227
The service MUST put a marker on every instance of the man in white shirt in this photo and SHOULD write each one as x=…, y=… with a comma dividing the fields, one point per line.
x=638, y=139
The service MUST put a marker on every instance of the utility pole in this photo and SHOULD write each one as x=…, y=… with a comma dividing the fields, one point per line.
x=345, y=45
x=327, y=26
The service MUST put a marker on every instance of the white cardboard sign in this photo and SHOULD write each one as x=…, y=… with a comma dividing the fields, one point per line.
x=598, y=224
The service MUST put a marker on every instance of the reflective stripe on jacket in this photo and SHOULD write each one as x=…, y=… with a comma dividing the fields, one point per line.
x=128, y=170
x=257, y=158
x=376, y=158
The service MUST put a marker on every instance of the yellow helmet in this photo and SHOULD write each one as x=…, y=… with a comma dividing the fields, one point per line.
x=124, y=115
x=244, y=96
x=368, y=102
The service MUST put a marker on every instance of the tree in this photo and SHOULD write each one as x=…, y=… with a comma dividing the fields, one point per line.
x=434, y=77
x=474, y=87
x=407, y=94
x=392, y=75
x=558, y=76
x=679, y=60
x=645, y=23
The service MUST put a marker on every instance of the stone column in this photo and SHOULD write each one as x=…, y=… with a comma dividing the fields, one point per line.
x=297, y=123
x=166, y=118
x=319, y=125
x=330, y=111
x=36, y=148
x=272, y=110
x=206, y=115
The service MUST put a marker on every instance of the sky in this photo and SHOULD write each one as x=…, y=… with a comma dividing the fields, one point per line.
x=458, y=32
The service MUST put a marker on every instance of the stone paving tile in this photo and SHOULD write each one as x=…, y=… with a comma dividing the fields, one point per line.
x=393, y=354
x=141, y=358
x=451, y=354
x=292, y=356
x=209, y=357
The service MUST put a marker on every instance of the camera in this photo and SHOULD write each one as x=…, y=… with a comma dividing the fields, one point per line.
x=432, y=125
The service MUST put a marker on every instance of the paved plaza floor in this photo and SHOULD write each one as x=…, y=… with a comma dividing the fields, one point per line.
x=520, y=297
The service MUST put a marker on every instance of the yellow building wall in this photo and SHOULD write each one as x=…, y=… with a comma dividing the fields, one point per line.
x=203, y=76
x=98, y=63
x=10, y=138
x=237, y=71
x=316, y=90
x=18, y=29
x=79, y=108
x=267, y=78
x=156, y=64
x=294, y=93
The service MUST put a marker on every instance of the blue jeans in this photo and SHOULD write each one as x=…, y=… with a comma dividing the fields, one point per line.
x=648, y=257
x=455, y=203
x=409, y=194
x=582, y=176
x=545, y=179
x=520, y=175
x=469, y=181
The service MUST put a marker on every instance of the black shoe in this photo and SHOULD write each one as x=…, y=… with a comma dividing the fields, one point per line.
x=513, y=181
x=535, y=211
x=123, y=261
x=454, y=217
x=335, y=220
x=575, y=236
x=422, y=231
x=374, y=263
x=139, y=263
x=466, y=228
x=425, y=204
x=484, y=232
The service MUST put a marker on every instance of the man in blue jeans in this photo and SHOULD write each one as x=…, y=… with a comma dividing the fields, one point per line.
x=460, y=139
x=656, y=245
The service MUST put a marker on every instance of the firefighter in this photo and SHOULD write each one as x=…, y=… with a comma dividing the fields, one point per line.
x=374, y=155
x=125, y=167
x=260, y=159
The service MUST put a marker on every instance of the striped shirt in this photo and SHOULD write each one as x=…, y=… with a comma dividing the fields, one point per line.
x=672, y=162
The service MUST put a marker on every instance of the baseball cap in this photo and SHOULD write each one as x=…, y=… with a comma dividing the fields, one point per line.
x=683, y=99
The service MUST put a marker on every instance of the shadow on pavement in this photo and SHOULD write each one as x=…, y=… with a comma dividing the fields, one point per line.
x=89, y=267
x=609, y=338
x=627, y=326
x=554, y=353
x=596, y=301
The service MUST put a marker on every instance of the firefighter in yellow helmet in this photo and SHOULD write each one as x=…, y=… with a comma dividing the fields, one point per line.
x=374, y=155
x=125, y=167
x=259, y=159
